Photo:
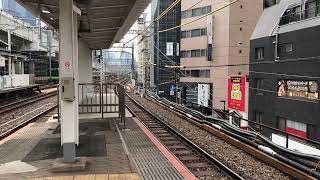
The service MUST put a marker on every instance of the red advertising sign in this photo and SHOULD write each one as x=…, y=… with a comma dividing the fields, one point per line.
x=237, y=93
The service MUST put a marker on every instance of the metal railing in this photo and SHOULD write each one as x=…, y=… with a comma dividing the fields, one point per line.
x=300, y=15
x=101, y=98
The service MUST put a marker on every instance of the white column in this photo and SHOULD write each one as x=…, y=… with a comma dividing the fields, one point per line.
x=68, y=71
x=76, y=74
x=22, y=65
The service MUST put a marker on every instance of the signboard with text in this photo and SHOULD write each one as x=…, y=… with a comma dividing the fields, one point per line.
x=237, y=93
x=298, y=89
x=203, y=94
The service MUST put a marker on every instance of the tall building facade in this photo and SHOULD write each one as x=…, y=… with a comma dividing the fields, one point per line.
x=165, y=46
x=285, y=92
x=143, y=56
x=212, y=45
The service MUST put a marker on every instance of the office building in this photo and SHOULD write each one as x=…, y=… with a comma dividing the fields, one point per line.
x=285, y=92
x=212, y=47
x=165, y=47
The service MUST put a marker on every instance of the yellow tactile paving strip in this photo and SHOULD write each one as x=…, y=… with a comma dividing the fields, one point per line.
x=130, y=176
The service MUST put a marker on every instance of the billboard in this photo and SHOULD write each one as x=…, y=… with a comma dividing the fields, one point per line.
x=298, y=89
x=237, y=93
x=169, y=48
x=203, y=94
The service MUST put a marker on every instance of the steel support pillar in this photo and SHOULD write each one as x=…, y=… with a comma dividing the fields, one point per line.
x=68, y=69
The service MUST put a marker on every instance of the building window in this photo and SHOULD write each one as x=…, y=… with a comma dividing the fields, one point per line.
x=258, y=117
x=258, y=85
x=185, y=54
x=285, y=48
x=312, y=131
x=194, y=53
x=188, y=73
x=259, y=53
x=195, y=12
x=203, y=32
x=195, y=73
x=194, y=33
x=183, y=34
x=311, y=9
x=296, y=128
x=205, y=73
x=281, y=123
x=203, y=52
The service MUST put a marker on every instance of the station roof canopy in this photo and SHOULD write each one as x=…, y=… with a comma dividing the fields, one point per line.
x=102, y=22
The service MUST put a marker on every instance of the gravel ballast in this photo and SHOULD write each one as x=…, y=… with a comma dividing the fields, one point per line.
x=244, y=164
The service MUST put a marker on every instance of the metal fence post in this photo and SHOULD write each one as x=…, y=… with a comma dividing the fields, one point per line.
x=58, y=101
x=121, y=104
x=287, y=140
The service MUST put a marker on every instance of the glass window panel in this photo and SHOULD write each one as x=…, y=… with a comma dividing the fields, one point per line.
x=259, y=53
x=203, y=52
x=203, y=32
x=195, y=33
x=196, y=12
x=311, y=9
x=183, y=34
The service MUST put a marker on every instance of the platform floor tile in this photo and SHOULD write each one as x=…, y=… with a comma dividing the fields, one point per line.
x=129, y=176
x=149, y=161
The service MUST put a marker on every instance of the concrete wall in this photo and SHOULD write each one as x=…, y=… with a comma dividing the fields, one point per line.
x=233, y=27
x=85, y=63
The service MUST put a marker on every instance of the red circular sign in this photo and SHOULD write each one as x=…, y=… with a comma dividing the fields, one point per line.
x=67, y=65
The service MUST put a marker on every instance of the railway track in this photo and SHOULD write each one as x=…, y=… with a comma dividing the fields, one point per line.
x=197, y=160
x=15, y=105
x=15, y=124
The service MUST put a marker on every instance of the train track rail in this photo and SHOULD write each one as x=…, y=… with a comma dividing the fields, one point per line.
x=197, y=160
x=12, y=106
x=12, y=125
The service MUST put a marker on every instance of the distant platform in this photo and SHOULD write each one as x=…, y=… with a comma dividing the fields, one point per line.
x=111, y=152
x=21, y=88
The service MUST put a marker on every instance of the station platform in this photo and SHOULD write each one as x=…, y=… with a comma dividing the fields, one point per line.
x=21, y=88
x=112, y=149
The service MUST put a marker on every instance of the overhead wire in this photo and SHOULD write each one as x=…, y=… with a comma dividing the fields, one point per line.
x=157, y=19
x=252, y=88
x=201, y=17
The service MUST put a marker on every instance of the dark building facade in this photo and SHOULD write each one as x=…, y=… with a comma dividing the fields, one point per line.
x=285, y=68
x=164, y=78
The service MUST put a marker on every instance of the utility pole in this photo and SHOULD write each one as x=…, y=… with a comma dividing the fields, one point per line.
x=176, y=83
x=132, y=63
x=9, y=57
x=50, y=58
x=158, y=59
